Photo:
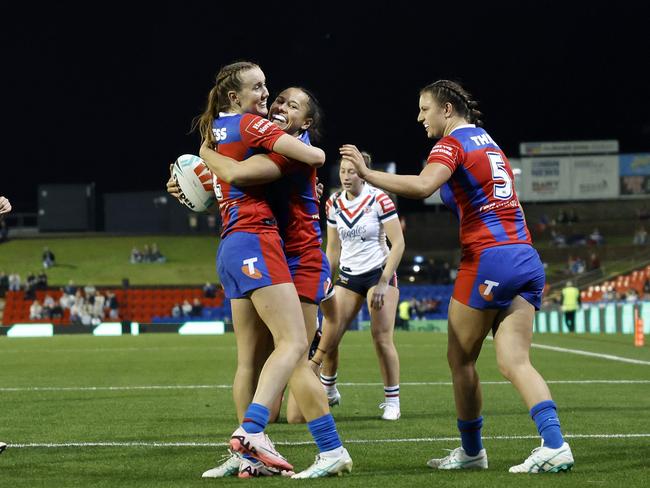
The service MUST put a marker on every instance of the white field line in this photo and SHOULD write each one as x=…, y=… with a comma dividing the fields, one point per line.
x=53, y=445
x=580, y=352
x=226, y=387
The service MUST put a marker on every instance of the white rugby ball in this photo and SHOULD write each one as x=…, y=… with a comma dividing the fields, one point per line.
x=195, y=182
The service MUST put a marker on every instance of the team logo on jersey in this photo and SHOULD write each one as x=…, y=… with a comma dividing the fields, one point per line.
x=249, y=269
x=485, y=289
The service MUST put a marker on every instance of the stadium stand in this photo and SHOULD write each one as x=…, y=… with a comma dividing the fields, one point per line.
x=135, y=304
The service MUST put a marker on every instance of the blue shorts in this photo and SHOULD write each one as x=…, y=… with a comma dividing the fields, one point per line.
x=310, y=272
x=246, y=262
x=495, y=276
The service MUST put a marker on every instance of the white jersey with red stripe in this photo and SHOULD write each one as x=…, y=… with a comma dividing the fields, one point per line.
x=360, y=225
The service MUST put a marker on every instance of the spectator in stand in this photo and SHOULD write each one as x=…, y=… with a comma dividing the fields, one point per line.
x=35, y=311
x=594, y=262
x=609, y=295
x=98, y=305
x=572, y=217
x=596, y=237
x=209, y=290
x=14, y=282
x=646, y=289
x=70, y=288
x=632, y=296
x=570, y=304
x=136, y=256
x=146, y=254
x=79, y=299
x=30, y=287
x=4, y=283
x=41, y=281
x=186, y=308
x=48, y=306
x=558, y=239
x=561, y=217
x=48, y=258
x=197, y=308
x=89, y=292
x=643, y=213
x=640, y=237
x=112, y=305
x=156, y=255
x=176, y=310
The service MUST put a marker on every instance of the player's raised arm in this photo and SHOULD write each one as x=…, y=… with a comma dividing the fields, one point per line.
x=432, y=177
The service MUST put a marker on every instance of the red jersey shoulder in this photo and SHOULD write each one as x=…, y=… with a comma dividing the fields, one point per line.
x=448, y=151
x=257, y=131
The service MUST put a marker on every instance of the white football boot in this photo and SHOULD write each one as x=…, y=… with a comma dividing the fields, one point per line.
x=546, y=460
x=3, y=446
x=329, y=463
x=457, y=459
x=260, y=447
x=333, y=397
x=391, y=411
x=252, y=468
x=228, y=467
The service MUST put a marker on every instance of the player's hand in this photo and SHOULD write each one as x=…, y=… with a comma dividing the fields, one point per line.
x=377, y=300
x=172, y=186
x=5, y=206
x=319, y=189
x=349, y=152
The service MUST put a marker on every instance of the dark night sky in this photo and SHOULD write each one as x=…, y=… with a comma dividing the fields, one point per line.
x=107, y=93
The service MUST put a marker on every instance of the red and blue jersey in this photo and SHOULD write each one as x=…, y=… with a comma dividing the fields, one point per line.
x=296, y=207
x=481, y=190
x=239, y=136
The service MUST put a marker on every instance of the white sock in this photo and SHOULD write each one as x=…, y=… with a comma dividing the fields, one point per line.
x=391, y=395
x=329, y=383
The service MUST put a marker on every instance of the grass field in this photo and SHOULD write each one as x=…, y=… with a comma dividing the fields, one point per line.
x=155, y=410
x=105, y=260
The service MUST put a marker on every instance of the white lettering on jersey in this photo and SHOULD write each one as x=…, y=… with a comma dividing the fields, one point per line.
x=482, y=140
x=220, y=134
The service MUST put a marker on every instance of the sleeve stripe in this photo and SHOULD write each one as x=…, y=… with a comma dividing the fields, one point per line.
x=387, y=215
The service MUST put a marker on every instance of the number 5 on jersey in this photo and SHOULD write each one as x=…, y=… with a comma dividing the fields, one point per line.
x=502, y=180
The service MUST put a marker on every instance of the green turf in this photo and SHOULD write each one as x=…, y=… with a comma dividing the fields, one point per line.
x=205, y=415
x=105, y=260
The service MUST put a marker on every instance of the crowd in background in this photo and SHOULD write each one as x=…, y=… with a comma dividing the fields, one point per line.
x=87, y=305
x=149, y=254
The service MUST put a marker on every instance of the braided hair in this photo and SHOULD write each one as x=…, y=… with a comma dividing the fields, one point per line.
x=228, y=79
x=446, y=91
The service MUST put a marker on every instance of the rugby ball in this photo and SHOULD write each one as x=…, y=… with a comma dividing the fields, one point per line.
x=195, y=182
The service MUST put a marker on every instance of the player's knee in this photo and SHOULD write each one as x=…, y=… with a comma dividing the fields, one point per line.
x=511, y=366
x=294, y=417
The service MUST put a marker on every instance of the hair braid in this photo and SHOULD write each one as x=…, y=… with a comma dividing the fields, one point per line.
x=227, y=79
x=446, y=91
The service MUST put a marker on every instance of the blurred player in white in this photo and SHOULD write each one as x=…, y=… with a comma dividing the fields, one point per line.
x=359, y=218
